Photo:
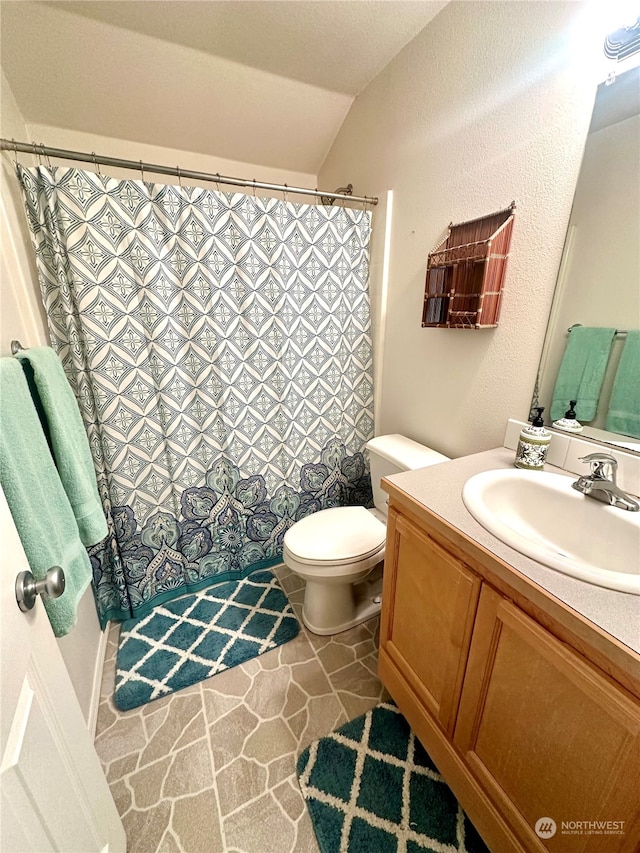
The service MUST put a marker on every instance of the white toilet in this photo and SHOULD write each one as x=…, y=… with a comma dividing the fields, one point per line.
x=335, y=550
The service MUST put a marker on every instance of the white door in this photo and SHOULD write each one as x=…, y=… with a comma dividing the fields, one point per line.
x=54, y=794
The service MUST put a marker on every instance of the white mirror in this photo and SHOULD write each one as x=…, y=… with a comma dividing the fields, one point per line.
x=599, y=278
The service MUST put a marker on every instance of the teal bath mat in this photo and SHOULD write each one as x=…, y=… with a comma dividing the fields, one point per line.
x=196, y=636
x=370, y=786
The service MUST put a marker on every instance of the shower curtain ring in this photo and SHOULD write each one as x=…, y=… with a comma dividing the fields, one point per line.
x=96, y=165
x=142, y=170
x=284, y=194
x=254, y=188
x=218, y=181
x=36, y=153
x=15, y=151
x=179, y=176
x=46, y=157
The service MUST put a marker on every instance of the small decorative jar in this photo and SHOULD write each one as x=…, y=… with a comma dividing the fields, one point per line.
x=533, y=444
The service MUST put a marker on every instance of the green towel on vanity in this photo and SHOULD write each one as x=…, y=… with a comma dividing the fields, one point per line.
x=624, y=407
x=38, y=503
x=69, y=443
x=581, y=372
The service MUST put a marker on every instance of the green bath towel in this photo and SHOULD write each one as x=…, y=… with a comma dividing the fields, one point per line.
x=581, y=372
x=624, y=407
x=38, y=503
x=69, y=443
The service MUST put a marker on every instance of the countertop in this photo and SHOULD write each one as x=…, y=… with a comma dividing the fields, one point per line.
x=439, y=489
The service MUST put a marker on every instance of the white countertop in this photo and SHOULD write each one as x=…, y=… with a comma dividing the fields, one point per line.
x=439, y=489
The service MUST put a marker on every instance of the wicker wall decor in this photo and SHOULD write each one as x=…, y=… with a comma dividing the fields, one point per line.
x=465, y=273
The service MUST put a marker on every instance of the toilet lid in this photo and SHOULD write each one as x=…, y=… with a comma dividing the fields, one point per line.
x=339, y=535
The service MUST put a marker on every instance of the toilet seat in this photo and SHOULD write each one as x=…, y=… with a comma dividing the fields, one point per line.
x=336, y=537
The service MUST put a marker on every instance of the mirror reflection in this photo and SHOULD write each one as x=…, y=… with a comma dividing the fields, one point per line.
x=597, y=294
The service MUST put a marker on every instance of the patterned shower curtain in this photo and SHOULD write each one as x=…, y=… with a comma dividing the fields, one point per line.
x=219, y=348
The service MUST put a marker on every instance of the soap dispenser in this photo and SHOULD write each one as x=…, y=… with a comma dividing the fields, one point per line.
x=569, y=423
x=533, y=444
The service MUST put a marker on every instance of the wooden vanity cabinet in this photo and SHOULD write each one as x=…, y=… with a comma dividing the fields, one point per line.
x=521, y=725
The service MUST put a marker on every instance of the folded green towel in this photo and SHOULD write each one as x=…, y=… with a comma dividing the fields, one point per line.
x=581, y=372
x=69, y=443
x=38, y=503
x=624, y=407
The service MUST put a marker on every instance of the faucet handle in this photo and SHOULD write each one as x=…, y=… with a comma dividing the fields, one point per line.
x=603, y=465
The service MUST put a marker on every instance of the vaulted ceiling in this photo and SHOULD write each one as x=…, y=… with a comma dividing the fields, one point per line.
x=261, y=81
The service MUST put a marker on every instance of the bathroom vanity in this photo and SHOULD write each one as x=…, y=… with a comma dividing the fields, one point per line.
x=521, y=683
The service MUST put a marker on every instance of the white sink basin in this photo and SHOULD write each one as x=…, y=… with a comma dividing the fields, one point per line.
x=541, y=516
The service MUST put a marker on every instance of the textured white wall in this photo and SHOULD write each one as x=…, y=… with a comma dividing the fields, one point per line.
x=127, y=149
x=491, y=102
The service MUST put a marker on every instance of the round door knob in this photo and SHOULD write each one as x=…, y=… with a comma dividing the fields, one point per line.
x=28, y=588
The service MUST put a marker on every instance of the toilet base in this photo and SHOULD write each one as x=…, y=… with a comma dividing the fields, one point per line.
x=332, y=608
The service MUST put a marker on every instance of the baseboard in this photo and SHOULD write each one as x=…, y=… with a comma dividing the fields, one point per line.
x=92, y=717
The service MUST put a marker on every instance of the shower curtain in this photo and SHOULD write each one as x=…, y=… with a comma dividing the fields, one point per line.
x=219, y=348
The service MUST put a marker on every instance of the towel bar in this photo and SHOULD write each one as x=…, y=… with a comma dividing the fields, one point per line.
x=576, y=325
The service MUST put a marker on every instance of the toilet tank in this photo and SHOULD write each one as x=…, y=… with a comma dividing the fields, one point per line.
x=391, y=454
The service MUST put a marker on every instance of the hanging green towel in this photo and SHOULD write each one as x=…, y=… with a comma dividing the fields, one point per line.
x=624, y=407
x=69, y=443
x=38, y=503
x=581, y=372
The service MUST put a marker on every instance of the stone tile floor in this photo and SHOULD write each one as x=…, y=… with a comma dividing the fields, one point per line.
x=211, y=769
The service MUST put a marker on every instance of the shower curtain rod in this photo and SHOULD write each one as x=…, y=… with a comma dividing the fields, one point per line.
x=98, y=160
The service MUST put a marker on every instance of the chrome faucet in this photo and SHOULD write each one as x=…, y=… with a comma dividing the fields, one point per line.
x=601, y=482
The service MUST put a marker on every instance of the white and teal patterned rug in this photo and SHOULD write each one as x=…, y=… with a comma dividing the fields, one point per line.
x=370, y=787
x=191, y=638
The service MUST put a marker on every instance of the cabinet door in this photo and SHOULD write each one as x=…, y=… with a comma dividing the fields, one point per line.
x=429, y=602
x=549, y=736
